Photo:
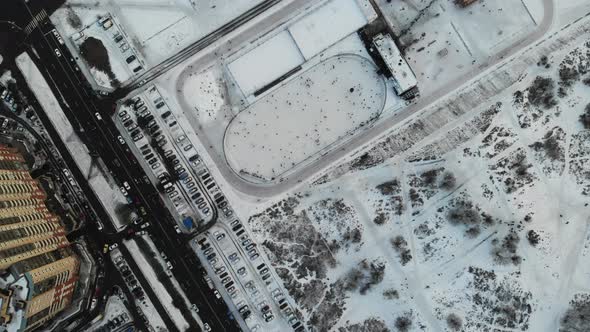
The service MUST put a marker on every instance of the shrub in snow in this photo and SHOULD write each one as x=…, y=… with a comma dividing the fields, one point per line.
x=577, y=317
x=533, y=237
x=380, y=219
x=429, y=177
x=505, y=252
x=363, y=277
x=400, y=245
x=448, y=181
x=454, y=322
x=550, y=145
x=541, y=92
x=391, y=294
x=464, y=213
x=473, y=231
x=403, y=323
x=371, y=324
x=585, y=117
x=568, y=75
x=389, y=187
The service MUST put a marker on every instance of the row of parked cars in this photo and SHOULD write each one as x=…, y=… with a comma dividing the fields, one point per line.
x=107, y=24
x=130, y=279
x=129, y=124
x=249, y=246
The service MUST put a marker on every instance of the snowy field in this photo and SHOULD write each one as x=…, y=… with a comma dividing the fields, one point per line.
x=480, y=225
x=157, y=29
x=316, y=109
x=443, y=41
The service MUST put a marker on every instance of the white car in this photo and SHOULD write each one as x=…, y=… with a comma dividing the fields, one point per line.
x=206, y=327
x=93, y=303
x=121, y=140
x=57, y=36
x=58, y=53
x=98, y=116
x=126, y=185
x=177, y=229
x=123, y=191
x=113, y=246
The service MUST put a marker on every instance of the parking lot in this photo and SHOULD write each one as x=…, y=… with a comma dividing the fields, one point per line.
x=123, y=60
x=244, y=278
x=142, y=302
x=169, y=157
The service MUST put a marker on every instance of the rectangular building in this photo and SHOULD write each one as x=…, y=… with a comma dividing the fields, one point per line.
x=38, y=269
x=403, y=77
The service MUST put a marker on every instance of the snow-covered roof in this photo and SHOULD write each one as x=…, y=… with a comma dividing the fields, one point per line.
x=403, y=77
x=266, y=62
x=327, y=25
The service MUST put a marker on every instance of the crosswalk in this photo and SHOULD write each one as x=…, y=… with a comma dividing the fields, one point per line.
x=36, y=21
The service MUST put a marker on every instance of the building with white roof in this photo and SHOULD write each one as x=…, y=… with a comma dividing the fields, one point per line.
x=403, y=77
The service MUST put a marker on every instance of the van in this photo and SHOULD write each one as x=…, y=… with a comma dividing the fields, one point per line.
x=107, y=24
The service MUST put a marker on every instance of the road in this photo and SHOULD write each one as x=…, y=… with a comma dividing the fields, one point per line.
x=378, y=131
x=100, y=136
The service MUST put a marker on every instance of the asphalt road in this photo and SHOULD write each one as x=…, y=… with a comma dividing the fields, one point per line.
x=380, y=130
x=100, y=136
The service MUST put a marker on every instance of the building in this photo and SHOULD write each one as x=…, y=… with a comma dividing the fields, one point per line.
x=38, y=269
x=404, y=80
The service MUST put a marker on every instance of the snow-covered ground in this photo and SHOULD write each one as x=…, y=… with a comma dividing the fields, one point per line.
x=96, y=172
x=444, y=41
x=482, y=224
x=329, y=101
x=112, y=68
x=157, y=29
x=115, y=308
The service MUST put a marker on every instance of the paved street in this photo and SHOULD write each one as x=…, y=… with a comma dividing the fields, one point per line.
x=100, y=136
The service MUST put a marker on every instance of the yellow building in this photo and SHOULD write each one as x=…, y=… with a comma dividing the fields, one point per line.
x=38, y=269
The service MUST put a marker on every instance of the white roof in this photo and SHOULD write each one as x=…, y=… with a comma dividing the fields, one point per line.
x=266, y=62
x=403, y=76
x=327, y=25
